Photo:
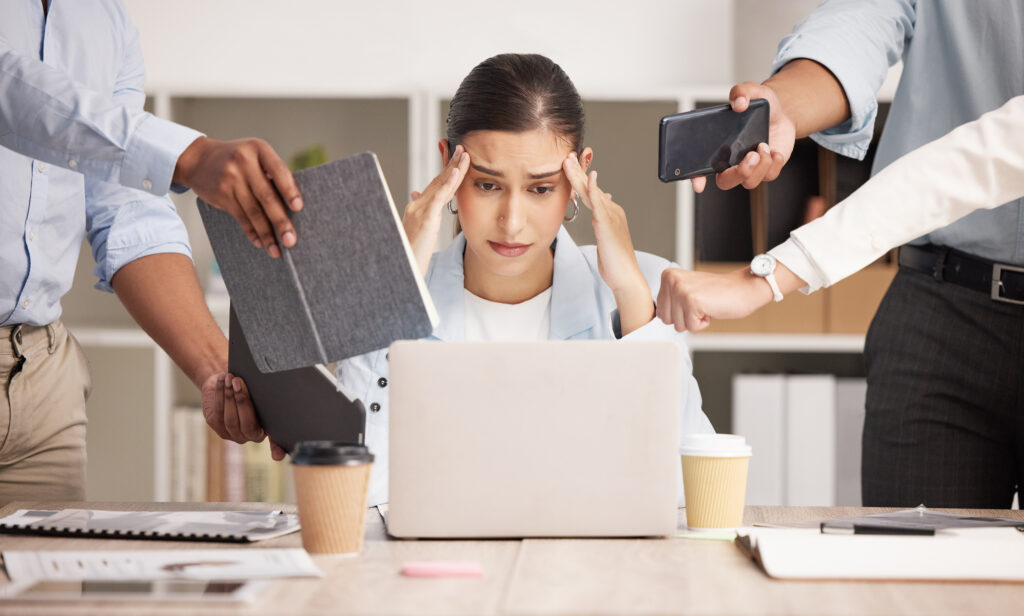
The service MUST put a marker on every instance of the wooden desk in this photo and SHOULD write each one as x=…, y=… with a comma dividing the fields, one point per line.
x=549, y=576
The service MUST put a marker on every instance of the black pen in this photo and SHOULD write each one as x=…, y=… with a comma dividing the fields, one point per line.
x=869, y=529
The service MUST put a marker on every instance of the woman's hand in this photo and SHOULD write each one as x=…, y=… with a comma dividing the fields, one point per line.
x=422, y=219
x=616, y=260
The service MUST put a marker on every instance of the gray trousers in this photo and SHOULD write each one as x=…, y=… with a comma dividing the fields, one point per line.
x=46, y=380
x=945, y=404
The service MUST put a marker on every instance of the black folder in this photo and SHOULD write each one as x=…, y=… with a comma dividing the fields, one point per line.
x=303, y=404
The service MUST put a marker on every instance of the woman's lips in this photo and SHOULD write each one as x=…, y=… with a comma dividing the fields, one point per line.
x=508, y=250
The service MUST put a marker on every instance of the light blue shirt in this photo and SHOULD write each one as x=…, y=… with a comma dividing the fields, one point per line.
x=72, y=136
x=582, y=308
x=961, y=58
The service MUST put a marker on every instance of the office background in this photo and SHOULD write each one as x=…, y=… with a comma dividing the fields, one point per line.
x=350, y=76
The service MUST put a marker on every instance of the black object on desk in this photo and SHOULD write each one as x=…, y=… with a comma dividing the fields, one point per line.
x=917, y=521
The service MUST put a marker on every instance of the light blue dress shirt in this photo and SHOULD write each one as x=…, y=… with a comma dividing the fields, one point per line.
x=961, y=58
x=582, y=308
x=72, y=131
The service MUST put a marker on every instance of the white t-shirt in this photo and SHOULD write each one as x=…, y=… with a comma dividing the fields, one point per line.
x=527, y=321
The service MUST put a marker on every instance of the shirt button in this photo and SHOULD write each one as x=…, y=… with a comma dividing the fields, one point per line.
x=41, y=167
x=375, y=407
x=147, y=184
x=382, y=382
x=26, y=303
x=73, y=163
x=31, y=235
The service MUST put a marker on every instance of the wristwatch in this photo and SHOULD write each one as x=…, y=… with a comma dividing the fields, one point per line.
x=763, y=265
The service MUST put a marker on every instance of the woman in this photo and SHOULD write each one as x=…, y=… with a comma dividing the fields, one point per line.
x=513, y=172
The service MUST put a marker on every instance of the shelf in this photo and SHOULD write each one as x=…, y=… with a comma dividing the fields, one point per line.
x=781, y=343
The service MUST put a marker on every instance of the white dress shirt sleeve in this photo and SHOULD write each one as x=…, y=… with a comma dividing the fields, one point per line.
x=857, y=40
x=46, y=115
x=979, y=165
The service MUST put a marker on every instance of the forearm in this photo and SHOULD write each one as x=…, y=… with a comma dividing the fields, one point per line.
x=979, y=165
x=162, y=294
x=636, y=307
x=810, y=95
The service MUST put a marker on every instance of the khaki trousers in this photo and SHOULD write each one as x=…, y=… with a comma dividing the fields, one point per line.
x=46, y=380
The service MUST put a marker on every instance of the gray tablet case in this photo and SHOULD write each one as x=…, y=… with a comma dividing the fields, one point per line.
x=349, y=286
x=295, y=405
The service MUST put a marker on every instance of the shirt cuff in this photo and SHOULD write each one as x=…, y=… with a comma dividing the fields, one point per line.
x=792, y=254
x=655, y=329
x=852, y=137
x=152, y=154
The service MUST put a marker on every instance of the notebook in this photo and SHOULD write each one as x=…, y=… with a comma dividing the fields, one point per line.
x=349, y=286
x=303, y=404
x=960, y=554
x=233, y=526
x=534, y=439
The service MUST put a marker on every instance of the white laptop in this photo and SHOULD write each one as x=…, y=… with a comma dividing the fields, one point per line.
x=523, y=439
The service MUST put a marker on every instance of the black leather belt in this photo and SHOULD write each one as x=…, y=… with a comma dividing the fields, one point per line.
x=1000, y=281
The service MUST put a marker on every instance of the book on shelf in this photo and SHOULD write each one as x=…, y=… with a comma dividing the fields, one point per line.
x=759, y=415
x=805, y=432
x=350, y=285
x=851, y=401
x=810, y=439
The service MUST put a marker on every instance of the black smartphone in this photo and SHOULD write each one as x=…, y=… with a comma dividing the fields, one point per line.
x=709, y=140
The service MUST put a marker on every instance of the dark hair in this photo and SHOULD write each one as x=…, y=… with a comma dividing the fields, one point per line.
x=516, y=93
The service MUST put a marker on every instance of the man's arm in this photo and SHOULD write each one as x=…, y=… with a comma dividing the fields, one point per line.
x=826, y=75
x=979, y=165
x=162, y=294
x=44, y=114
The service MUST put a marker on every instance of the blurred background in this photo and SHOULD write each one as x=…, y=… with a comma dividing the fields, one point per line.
x=323, y=79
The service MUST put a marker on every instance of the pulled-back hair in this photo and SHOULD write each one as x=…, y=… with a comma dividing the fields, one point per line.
x=516, y=93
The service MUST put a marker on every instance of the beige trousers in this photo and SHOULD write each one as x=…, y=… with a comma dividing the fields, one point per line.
x=46, y=380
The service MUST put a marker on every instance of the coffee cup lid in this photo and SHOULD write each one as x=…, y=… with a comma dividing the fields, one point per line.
x=715, y=446
x=330, y=453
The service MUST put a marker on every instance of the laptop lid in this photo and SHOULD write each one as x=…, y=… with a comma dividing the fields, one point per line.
x=561, y=438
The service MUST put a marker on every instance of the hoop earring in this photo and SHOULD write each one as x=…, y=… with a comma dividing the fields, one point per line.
x=575, y=209
x=452, y=209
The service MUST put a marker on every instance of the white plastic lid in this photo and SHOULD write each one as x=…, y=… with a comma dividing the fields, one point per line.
x=715, y=446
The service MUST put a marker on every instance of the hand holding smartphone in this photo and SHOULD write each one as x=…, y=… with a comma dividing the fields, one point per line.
x=710, y=140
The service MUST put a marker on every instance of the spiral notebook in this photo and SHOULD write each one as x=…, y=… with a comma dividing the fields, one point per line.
x=232, y=526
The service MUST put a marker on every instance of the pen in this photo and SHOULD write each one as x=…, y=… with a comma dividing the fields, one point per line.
x=868, y=529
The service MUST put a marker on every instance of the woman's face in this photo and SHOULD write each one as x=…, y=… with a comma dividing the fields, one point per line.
x=513, y=199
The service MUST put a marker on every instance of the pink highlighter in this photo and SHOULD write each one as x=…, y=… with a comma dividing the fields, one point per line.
x=442, y=568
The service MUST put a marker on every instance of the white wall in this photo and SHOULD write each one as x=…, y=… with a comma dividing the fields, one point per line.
x=343, y=45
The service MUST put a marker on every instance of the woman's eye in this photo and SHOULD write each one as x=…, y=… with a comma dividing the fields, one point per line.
x=486, y=186
x=543, y=190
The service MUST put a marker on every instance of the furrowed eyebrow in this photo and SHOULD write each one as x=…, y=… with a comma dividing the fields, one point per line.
x=496, y=174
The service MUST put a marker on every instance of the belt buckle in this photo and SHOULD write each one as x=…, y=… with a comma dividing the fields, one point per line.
x=997, y=282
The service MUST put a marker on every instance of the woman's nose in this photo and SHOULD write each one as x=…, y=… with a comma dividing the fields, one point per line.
x=512, y=215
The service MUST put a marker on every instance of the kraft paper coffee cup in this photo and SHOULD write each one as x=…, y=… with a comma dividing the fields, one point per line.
x=332, y=481
x=714, y=479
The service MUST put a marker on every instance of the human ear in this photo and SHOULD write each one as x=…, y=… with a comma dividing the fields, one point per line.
x=442, y=147
x=586, y=157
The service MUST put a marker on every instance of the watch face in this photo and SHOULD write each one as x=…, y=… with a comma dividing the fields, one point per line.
x=762, y=265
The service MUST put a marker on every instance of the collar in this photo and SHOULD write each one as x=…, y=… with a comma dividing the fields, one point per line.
x=574, y=306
